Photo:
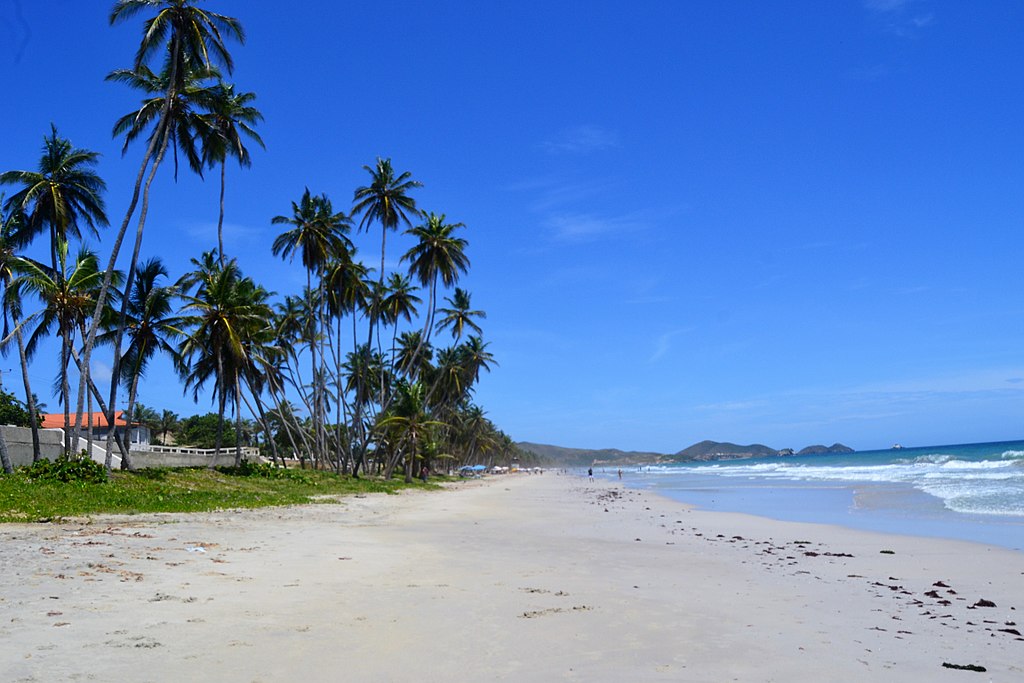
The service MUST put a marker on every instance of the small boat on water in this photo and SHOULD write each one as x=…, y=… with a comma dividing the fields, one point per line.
x=897, y=447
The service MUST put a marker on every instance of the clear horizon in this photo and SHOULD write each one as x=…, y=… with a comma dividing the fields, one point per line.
x=757, y=223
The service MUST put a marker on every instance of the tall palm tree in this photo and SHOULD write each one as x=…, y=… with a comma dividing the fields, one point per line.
x=13, y=237
x=411, y=422
x=182, y=34
x=151, y=326
x=461, y=314
x=223, y=317
x=230, y=120
x=385, y=200
x=437, y=255
x=317, y=233
x=174, y=122
x=67, y=296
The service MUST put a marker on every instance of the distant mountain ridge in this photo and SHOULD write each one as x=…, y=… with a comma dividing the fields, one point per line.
x=561, y=456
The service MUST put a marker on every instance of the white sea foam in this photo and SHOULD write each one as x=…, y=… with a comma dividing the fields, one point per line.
x=993, y=486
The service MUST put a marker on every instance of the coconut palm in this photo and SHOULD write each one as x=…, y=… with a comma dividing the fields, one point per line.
x=13, y=237
x=67, y=296
x=317, y=234
x=168, y=423
x=63, y=196
x=437, y=255
x=223, y=317
x=410, y=422
x=187, y=38
x=151, y=325
x=461, y=314
x=230, y=120
x=385, y=200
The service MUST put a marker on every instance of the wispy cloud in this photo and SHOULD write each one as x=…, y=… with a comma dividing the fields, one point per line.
x=900, y=17
x=233, y=232
x=581, y=140
x=663, y=344
x=578, y=227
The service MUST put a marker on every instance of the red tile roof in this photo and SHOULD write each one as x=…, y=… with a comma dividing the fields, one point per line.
x=56, y=420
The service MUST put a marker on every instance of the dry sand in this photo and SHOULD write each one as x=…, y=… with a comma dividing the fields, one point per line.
x=520, y=578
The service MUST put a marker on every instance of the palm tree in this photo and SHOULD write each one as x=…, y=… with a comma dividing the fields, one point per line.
x=184, y=35
x=437, y=255
x=12, y=238
x=460, y=315
x=151, y=325
x=63, y=196
x=230, y=120
x=476, y=357
x=413, y=354
x=173, y=121
x=168, y=423
x=318, y=234
x=385, y=200
x=224, y=316
x=411, y=422
x=67, y=297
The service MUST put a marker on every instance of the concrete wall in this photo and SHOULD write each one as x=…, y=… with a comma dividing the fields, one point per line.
x=51, y=447
x=141, y=459
x=19, y=444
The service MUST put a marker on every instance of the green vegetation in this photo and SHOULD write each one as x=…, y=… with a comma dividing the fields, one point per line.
x=74, y=488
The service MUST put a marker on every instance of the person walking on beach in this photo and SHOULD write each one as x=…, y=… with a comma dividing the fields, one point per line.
x=620, y=473
x=590, y=473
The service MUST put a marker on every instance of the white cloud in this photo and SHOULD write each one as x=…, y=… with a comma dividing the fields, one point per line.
x=582, y=139
x=582, y=226
x=663, y=344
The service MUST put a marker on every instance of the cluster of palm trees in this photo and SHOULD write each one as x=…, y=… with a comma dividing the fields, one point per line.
x=344, y=375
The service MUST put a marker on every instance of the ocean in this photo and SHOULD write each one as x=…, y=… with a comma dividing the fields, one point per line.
x=972, y=492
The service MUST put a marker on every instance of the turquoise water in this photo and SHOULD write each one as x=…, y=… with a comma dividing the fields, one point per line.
x=972, y=491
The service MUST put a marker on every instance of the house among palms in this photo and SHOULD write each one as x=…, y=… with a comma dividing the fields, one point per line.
x=139, y=433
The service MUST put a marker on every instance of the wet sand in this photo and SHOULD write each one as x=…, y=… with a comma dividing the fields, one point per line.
x=518, y=578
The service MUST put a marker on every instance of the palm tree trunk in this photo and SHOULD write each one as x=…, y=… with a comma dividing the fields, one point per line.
x=30, y=399
x=220, y=219
x=101, y=299
x=115, y=378
x=5, y=457
x=238, y=422
x=221, y=400
x=65, y=389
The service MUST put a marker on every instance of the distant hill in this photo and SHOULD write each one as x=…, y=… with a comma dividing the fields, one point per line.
x=818, y=449
x=582, y=457
x=559, y=456
x=716, y=450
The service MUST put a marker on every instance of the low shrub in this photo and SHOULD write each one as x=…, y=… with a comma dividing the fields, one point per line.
x=80, y=469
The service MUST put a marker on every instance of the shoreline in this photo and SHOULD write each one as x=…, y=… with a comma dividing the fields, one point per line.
x=509, y=578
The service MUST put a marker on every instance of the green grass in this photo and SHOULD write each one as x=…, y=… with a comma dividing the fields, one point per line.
x=24, y=499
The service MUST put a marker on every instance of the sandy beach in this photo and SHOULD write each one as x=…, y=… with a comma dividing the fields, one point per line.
x=519, y=578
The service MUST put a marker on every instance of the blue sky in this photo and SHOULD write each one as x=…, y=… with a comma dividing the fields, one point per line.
x=788, y=223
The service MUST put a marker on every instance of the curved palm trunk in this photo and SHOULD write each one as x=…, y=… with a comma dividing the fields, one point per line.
x=221, y=402
x=115, y=379
x=65, y=389
x=266, y=424
x=220, y=219
x=101, y=299
x=30, y=399
x=238, y=422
